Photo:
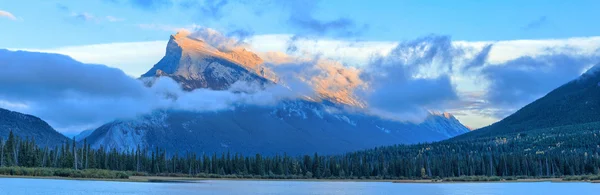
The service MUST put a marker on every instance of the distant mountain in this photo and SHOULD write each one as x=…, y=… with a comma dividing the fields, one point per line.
x=28, y=126
x=293, y=127
x=576, y=102
x=195, y=64
x=84, y=134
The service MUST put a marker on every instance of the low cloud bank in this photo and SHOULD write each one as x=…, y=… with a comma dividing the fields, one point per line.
x=73, y=96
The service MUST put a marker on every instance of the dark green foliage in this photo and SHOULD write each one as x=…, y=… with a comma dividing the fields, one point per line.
x=476, y=178
x=63, y=172
x=543, y=153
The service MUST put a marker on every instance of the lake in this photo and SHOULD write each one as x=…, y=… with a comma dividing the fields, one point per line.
x=12, y=186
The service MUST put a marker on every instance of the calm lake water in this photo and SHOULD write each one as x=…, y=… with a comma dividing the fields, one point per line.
x=11, y=186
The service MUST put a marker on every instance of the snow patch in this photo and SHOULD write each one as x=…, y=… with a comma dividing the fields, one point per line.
x=383, y=129
x=345, y=119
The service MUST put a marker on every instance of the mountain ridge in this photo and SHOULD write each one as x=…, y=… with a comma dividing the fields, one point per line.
x=195, y=64
x=292, y=127
x=29, y=126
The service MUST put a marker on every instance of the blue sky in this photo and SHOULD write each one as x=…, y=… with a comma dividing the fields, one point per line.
x=70, y=22
x=472, y=46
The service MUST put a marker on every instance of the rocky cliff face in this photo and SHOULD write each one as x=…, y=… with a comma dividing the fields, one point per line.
x=195, y=64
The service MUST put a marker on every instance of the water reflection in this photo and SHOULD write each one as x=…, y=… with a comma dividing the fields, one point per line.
x=12, y=186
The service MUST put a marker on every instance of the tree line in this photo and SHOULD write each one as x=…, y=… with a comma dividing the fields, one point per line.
x=553, y=152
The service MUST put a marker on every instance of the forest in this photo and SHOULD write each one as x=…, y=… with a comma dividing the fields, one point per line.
x=541, y=153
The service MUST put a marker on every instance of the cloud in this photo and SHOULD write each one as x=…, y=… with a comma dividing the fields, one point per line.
x=537, y=23
x=479, y=59
x=318, y=79
x=151, y=4
x=240, y=34
x=217, y=39
x=8, y=15
x=132, y=58
x=88, y=95
x=52, y=83
x=169, y=28
x=83, y=16
x=62, y=7
x=148, y=5
x=518, y=82
x=450, y=57
x=398, y=85
x=212, y=9
x=399, y=90
x=114, y=19
x=88, y=17
x=301, y=16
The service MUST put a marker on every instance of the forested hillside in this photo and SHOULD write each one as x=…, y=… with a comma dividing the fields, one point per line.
x=553, y=152
x=576, y=102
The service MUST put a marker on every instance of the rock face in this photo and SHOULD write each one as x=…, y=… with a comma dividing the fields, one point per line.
x=28, y=126
x=195, y=64
x=292, y=127
x=576, y=102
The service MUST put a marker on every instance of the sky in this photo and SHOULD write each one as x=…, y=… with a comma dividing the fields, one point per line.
x=479, y=60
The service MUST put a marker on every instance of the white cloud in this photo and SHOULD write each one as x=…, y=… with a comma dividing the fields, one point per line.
x=88, y=95
x=114, y=19
x=134, y=58
x=503, y=51
x=83, y=16
x=88, y=17
x=168, y=28
x=7, y=15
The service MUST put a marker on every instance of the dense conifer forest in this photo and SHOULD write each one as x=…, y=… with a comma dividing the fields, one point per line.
x=552, y=152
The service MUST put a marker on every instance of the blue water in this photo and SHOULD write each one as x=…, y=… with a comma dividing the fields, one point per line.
x=11, y=186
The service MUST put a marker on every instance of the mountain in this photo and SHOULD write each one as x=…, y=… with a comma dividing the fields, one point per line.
x=576, y=102
x=84, y=134
x=293, y=127
x=28, y=126
x=301, y=126
x=195, y=64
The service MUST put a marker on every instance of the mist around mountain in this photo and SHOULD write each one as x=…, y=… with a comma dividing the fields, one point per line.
x=327, y=123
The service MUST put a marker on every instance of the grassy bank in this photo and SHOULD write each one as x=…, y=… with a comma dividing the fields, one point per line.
x=61, y=172
x=100, y=174
x=584, y=178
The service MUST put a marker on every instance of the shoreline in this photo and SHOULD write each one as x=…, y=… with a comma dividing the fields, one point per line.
x=165, y=179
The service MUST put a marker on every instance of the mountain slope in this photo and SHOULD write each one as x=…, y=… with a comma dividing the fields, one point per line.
x=84, y=134
x=28, y=126
x=576, y=102
x=293, y=127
